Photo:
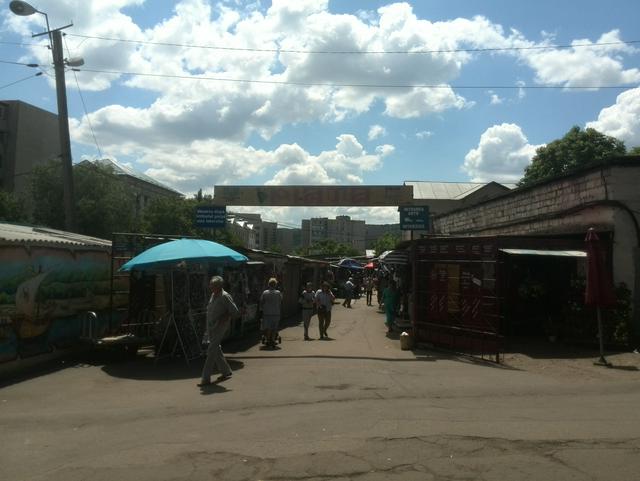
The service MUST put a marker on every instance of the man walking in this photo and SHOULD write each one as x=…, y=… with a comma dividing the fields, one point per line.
x=324, y=303
x=348, y=292
x=220, y=310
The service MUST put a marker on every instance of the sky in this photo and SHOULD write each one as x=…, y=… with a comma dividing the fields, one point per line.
x=330, y=92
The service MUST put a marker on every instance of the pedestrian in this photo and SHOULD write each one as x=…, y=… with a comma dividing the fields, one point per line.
x=368, y=287
x=382, y=285
x=270, y=306
x=324, y=303
x=307, y=300
x=390, y=302
x=348, y=292
x=220, y=311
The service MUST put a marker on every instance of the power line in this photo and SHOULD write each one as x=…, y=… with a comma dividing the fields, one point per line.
x=353, y=52
x=356, y=85
x=22, y=44
x=21, y=80
x=84, y=106
x=20, y=63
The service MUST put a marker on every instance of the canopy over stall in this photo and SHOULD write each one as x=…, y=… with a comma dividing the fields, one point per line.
x=181, y=259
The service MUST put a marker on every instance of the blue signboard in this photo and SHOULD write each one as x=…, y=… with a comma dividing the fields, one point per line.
x=211, y=216
x=414, y=217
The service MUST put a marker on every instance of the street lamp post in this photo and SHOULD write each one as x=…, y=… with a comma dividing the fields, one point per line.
x=55, y=37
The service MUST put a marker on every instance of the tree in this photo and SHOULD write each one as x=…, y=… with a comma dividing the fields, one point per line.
x=11, y=209
x=386, y=242
x=46, y=191
x=103, y=204
x=331, y=248
x=635, y=151
x=176, y=216
x=576, y=149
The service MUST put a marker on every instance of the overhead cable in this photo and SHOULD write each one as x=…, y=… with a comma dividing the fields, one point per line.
x=354, y=52
x=21, y=80
x=358, y=85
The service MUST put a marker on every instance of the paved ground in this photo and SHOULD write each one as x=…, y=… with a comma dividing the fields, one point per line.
x=356, y=407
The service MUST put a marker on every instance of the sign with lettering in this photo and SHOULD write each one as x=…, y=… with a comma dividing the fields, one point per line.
x=314, y=195
x=211, y=216
x=414, y=217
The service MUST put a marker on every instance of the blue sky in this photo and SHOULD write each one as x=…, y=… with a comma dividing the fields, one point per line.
x=327, y=118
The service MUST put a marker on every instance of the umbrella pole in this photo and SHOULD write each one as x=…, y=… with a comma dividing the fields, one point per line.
x=602, y=361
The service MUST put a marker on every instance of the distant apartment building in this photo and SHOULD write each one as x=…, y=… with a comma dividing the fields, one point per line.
x=265, y=232
x=341, y=229
x=29, y=137
x=245, y=230
x=289, y=240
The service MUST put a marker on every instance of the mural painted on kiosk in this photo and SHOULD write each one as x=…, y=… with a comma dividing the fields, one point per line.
x=44, y=293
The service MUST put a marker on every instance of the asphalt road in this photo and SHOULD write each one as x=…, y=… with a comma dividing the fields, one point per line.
x=355, y=407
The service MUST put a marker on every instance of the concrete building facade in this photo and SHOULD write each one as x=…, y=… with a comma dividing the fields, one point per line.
x=29, y=137
x=341, y=229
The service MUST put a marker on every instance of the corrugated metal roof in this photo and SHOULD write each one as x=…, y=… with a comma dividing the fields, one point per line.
x=23, y=234
x=124, y=170
x=446, y=190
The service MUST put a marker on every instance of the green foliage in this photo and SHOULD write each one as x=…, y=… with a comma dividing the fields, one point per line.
x=386, y=242
x=104, y=204
x=11, y=208
x=635, y=151
x=46, y=190
x=576, y=149
x=329, y=247
x=175, y=216
x=580, y=321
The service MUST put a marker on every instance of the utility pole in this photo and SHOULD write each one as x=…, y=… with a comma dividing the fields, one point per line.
x=24, y=9
x=63, y=126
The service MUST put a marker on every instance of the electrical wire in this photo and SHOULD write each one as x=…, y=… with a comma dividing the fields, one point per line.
x=353, y=52
x=20, y=63
x=21, y=44
x=21, y=80
x=356, y=85
x=84, y=105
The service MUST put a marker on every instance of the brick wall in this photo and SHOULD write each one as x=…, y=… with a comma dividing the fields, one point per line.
x=540, y=209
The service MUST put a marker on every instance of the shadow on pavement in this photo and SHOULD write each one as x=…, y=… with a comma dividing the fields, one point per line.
x=146, y=368
x=544, y=349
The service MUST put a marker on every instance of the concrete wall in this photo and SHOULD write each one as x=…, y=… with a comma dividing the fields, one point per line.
x=30, y=137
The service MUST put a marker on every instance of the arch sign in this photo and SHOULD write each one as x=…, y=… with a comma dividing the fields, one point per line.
x=314, y=195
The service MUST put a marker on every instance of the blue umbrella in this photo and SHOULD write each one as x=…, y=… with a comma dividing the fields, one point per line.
x=191, y=250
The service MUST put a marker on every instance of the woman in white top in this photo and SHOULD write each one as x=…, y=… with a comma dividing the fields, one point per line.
x=270, y=305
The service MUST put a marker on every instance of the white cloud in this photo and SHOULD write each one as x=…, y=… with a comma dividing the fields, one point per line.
x=502, y=155
x=344, y=165
x=424, y=134
x=292, y=216
x=495, y=99
x=621, y=120
x=205, y=163
x=581, y=66
x=376, y=131
x=207, y=123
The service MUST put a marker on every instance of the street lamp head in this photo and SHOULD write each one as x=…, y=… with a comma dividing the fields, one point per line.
x=74, y=62
x=22, y=8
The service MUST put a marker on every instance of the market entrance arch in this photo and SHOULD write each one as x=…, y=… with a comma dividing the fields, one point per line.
x=314, y=195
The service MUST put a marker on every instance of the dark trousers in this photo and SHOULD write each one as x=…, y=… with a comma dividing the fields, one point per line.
x=324, y=319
